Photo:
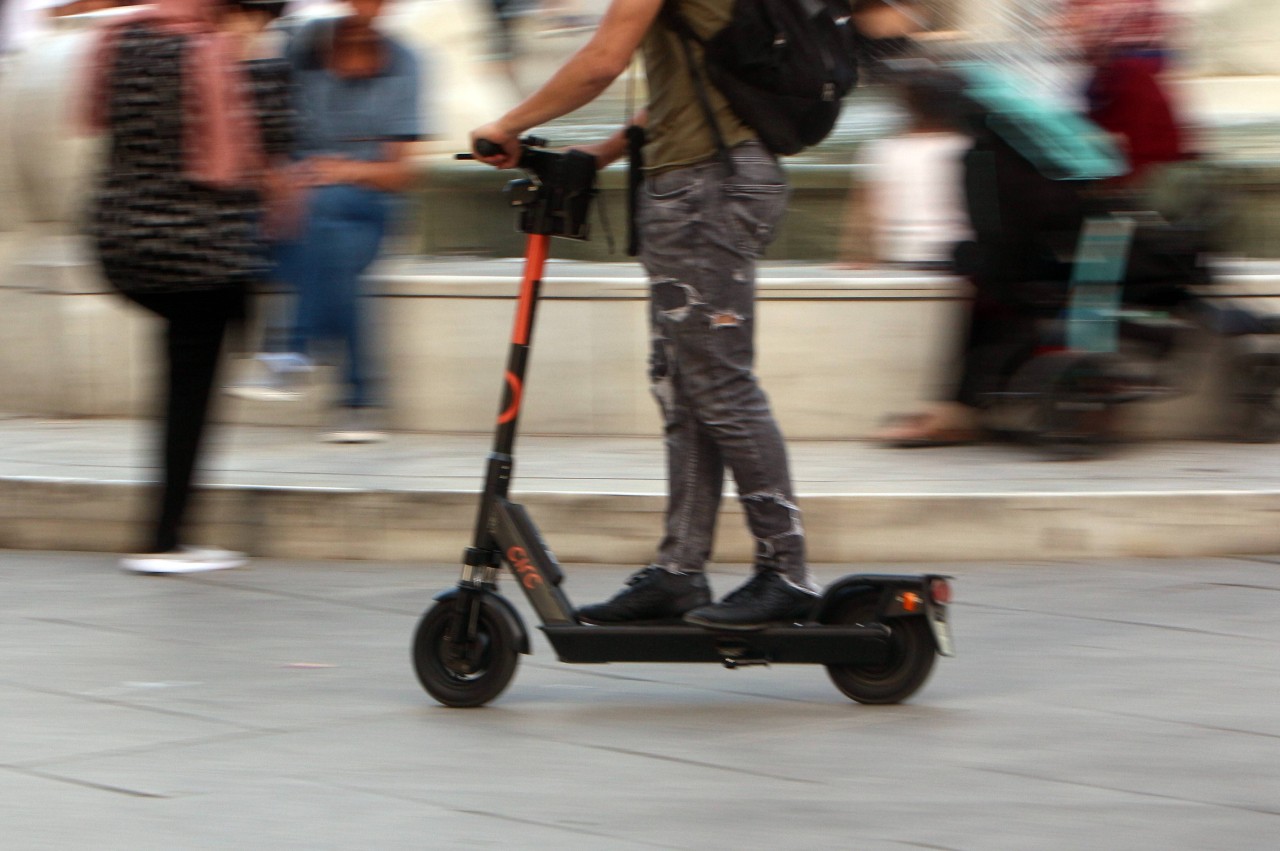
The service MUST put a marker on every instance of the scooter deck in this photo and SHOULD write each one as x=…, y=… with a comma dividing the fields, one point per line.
x=814, y=644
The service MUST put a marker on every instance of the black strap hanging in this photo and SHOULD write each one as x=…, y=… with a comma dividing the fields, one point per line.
x=635, y=179
x=635, y=164
x=687, y=36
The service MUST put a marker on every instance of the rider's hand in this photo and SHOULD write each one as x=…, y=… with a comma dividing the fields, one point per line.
x=510, y=142
x=598, y=150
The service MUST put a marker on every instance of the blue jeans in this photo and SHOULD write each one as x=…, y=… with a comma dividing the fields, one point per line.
x=339, y=239
x=702, y=232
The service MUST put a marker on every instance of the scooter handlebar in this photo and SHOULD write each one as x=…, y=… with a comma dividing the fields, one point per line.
x=555, y=197
x=486, y=148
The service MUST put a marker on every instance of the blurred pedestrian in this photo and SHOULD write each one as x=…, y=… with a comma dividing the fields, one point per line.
x=505, y=50
x=1025, y=174
x=13, y=25
x=887, y=31
x=174, y=221
x=358, y=104
x=907, y=208
x=1136, y=27
x=919, y=215
x=1123, y=42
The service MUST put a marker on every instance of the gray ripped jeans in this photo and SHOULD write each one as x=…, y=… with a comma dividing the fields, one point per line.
x=701, y=234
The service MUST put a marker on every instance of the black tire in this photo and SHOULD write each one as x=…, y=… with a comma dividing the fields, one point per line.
x=912, y=652
x=459, y=683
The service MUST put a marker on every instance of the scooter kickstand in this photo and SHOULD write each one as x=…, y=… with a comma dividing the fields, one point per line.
x=733, y=664
x=743, y=661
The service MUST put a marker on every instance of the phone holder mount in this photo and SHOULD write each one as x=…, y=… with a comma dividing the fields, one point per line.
x=555, y=198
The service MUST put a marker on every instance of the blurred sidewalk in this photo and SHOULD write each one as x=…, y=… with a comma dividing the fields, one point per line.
x=80, y=484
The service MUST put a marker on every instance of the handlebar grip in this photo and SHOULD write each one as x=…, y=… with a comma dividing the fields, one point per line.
x=487, y=148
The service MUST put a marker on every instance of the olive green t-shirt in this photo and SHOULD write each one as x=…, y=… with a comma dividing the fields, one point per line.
x=678, y=133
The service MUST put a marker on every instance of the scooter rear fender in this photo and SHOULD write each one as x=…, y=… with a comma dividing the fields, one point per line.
x=898, y=596
x=504, y=609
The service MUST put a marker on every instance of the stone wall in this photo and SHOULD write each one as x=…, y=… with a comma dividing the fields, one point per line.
x=1234, y=37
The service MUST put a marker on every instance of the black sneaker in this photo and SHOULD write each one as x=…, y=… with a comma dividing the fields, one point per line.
x=766, y=598
x=651, y=594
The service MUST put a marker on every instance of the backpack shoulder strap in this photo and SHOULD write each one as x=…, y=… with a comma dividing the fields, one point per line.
x=673, y=19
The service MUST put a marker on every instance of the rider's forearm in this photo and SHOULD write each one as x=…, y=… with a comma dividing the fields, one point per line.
x=578, y=82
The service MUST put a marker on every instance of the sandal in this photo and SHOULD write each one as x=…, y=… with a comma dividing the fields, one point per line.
x=926, y=429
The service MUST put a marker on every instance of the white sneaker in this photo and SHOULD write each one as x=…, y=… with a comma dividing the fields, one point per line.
x=281, y=378
x=183, y=560
x=356, y=425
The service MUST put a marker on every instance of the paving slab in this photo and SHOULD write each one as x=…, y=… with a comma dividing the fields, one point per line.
x=1120, y=704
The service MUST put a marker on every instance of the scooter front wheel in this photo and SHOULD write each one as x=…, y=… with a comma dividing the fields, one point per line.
x=911, y=656
x=459, y=674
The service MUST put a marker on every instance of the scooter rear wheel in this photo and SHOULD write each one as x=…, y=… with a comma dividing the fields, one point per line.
x=461, y=678
x=911, y=656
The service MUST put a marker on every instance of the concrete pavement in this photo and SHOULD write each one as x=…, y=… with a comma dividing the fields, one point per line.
x=277, y=492
x=1118, y=705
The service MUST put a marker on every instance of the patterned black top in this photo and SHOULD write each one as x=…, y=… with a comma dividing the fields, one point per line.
x=155, y=229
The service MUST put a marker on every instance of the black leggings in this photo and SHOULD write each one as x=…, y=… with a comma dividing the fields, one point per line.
x=999, y=339
x=195, y=326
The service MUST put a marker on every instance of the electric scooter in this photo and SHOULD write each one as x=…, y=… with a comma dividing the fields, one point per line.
x=877, y=634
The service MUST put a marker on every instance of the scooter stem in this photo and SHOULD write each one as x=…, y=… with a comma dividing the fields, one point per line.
x=498, y=470
x=535, y=260
x=513, y=396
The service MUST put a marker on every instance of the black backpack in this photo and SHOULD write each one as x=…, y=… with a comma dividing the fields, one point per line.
x=783, y=65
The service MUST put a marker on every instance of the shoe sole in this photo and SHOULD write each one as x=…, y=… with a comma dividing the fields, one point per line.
x=675, y=621
x=263, y=394
x=739, y=627
x=178, y=569
x=353, y=437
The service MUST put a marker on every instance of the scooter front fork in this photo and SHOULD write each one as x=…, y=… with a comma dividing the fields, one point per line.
x=462, y=650
x=480, y=568
x=464, y=647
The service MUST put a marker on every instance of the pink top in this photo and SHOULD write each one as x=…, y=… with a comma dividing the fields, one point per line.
x=1110, y=24
x=221, y=144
